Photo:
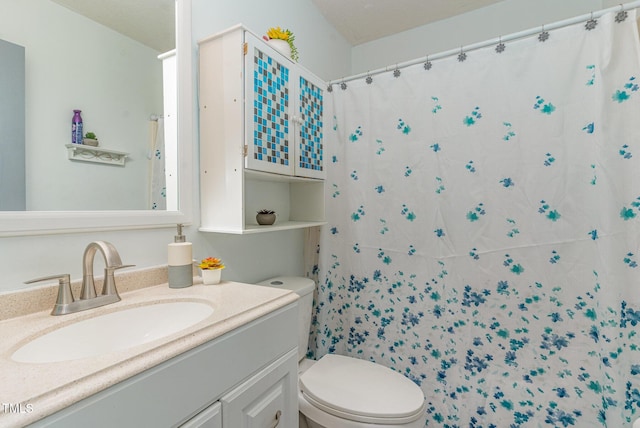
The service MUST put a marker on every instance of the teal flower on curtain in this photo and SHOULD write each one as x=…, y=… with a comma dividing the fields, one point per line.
x=623, y=95
x=356, y=134
x=544, y=107
x=402, y=126
x=510, y=133
x=552, y=215
x=624, y=152
x=473, y=117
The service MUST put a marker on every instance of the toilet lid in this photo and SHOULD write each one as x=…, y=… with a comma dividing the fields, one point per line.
x=361, y=391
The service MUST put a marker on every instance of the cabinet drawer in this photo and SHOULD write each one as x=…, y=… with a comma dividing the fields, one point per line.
x=211, y=417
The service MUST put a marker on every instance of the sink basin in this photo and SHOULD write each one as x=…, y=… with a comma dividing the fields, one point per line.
x=115, y=331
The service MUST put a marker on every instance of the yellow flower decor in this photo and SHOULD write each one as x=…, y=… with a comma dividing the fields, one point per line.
x=211, y=263
x=286, y=35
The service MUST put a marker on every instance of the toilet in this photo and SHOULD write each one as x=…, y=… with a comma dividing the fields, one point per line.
x=344, y=392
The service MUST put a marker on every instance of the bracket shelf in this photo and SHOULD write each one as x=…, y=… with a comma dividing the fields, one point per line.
x=80, y=152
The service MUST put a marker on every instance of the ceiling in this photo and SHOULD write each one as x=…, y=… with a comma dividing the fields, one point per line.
x=361, y=21
x=152, y=22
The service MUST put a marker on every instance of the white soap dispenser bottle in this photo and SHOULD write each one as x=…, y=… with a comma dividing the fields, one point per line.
x=180, y=261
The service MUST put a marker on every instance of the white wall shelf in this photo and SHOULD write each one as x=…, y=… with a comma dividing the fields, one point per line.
x=80, y=152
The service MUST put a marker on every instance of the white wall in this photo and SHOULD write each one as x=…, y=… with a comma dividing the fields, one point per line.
x=499, y=19
x=322, y=49
x=248, y=258
x=117, y=88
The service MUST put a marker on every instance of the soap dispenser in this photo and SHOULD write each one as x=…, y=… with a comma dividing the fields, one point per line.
x=180, y=261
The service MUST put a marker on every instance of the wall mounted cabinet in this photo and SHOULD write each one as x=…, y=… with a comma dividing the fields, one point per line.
x=261, y=136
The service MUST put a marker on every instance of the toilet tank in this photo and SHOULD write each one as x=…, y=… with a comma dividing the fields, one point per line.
x=303, y=287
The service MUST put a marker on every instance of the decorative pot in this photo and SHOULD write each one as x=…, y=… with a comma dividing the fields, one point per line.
x=265, y=219
x=211, y=276
x=90, y=142
x=281, y=46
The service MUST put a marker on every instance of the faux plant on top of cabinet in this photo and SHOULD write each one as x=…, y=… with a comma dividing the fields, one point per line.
x=261, y=136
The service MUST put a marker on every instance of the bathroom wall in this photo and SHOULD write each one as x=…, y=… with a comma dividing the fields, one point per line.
x=248, y=258
x=322, y=49
x=499, y=19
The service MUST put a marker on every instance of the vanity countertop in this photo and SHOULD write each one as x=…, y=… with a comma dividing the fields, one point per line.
x=32, y=391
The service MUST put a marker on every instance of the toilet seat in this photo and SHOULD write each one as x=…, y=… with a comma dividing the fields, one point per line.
x=361, y=391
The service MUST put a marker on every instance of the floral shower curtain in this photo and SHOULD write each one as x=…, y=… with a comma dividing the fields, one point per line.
x=483, y=219
x=157, y=173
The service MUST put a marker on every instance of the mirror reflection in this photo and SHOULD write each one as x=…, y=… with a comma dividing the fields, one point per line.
x=63, y=61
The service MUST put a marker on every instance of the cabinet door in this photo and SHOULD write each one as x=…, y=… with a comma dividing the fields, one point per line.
x=269, y=109
x=267, y=400
x=309, y=124
x=211, y=417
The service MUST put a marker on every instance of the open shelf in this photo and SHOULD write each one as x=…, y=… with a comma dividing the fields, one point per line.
x=80, y=152
x=254, y=228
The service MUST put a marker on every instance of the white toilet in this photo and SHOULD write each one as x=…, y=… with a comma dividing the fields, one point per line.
x=345, y=392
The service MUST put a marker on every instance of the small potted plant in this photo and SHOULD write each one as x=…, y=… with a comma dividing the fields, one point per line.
x=90, y=139
x=282, y=41
x=211, y=270
x=266, y=217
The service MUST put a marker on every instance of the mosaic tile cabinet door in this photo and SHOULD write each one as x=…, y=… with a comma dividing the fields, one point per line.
x=261, y=136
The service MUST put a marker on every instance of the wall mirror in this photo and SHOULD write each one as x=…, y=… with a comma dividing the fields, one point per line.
x=64, y=195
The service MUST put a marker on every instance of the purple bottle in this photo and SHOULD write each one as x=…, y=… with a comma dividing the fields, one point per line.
x=76, y=127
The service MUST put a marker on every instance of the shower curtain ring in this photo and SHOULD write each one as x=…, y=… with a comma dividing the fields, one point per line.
x=622, y=15
x=591, y=23
x=544, y=35
x=427, y=64
x=462, y=56
x=500, y=47
x=369, y=79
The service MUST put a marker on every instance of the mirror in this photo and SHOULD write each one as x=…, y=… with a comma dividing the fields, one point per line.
x=113, y=131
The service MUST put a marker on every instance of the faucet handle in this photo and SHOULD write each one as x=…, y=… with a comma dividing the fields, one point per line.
x=109, y=286
x=65, y=296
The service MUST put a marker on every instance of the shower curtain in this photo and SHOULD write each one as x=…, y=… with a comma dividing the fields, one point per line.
x=482, y=234
x=156, y=156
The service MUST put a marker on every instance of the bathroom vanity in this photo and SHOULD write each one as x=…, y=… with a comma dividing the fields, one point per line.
x=236, y=368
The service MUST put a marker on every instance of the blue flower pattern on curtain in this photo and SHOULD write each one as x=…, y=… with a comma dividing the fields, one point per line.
x=483, y=231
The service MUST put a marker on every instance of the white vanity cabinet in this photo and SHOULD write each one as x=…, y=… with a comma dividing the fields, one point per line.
x=245, y=378
x=263, y=401
x=261, y=136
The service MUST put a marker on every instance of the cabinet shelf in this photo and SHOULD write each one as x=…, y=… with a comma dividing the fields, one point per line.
x=254, y=228
x=80, y=152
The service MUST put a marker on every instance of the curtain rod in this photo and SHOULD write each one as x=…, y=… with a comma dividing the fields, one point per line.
x=479, y=45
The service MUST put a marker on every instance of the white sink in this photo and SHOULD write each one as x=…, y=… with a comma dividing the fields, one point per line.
x=115, y=331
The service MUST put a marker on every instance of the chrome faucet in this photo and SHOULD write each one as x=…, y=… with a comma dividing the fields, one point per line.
x=111, y=261
x=65, y=303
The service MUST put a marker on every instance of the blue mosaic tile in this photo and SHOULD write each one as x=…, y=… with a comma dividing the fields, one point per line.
x=311, y=149
x=270, y=116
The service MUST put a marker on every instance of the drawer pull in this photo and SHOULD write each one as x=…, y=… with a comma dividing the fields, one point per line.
x=277, y=421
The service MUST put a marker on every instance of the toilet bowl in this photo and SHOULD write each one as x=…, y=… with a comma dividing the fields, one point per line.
x=344, y=392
